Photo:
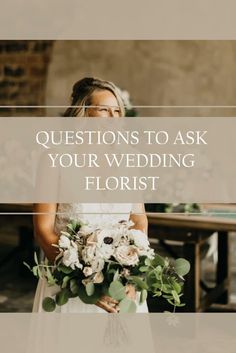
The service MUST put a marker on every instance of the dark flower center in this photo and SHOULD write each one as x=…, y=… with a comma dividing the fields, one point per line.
x=108, y=240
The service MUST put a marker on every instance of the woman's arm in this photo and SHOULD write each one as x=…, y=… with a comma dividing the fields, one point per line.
x=139, y=217
x=44, y=218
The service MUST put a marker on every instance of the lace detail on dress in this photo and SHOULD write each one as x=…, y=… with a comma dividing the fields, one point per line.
x=94, y=213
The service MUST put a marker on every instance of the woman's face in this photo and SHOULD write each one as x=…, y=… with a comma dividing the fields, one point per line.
x=104, y=104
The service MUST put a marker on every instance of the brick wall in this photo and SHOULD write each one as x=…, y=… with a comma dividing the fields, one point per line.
x=23, y=74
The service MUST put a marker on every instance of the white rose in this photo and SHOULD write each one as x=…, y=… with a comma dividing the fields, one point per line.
x=64, y=242
x=140, y=239
x=127, y=255
x=87, y=271
x=70, y=258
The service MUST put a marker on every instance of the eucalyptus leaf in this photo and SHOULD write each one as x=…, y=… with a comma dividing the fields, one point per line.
x=157, y=294
x=62, y=297
x=89, y=299
x=175, y=296
x=143, y=268
x=35, y=270
x=50, y=279
x=166, y=288
x=127, y=305
x=90, y=288
x=158, y=261
x=117, y=290
x=64, y=269
x=171, y=302
x=116, y=275
x=151, y=278
x=65, y=281
x=28, y=266
x=180, y=305
x=74, y=287
x=49, y=304
x=71, y=228
x=140, y=283
x=181, y=266
x=177, y=287
x=36, y=258
x=148, y=261
x=105, y=289
x=143, y=296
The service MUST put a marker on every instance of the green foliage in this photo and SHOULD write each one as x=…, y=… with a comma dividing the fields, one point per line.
x=143, y=295
x=157, y=276
x=64, y=269
x=117, y=290
x=90, y=288
x=127, y=305
x=92, y=299
x=139, y=283
x=181, y=267
x=74, y=286
x=49, y=304
x=158, y=260
x=62, y=297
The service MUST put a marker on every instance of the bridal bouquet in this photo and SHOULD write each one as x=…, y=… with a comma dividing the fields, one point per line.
x=101, y=260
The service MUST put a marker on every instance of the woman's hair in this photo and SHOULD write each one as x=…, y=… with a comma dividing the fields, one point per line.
x=82, y=92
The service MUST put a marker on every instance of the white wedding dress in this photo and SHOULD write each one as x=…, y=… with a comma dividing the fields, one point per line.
x=93, y=213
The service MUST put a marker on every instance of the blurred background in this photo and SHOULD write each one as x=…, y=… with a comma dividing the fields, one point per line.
x=158, y=78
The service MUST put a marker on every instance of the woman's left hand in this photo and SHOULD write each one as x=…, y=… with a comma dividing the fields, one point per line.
x=130, y=291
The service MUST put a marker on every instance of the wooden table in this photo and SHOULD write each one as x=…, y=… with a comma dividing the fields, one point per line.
x=192, y=231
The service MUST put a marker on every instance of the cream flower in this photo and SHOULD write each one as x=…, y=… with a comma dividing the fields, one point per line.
x=105, y=233
x=106, y=251
x=127, y=255
x=86, y=229
x=147, y=252
x=97, y=264
x=88, y=253
x=64, y=242
x=70, y=257
x=98, y=278
x=87, y=271
x=140, y=239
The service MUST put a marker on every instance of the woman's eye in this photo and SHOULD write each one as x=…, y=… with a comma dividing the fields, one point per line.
x=103, y=109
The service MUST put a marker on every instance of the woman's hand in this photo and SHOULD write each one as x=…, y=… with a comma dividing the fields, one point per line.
x=130, y=291
x=108, y=304
x=111, y=305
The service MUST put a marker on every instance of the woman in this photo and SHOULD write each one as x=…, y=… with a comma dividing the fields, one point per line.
x=93, y=98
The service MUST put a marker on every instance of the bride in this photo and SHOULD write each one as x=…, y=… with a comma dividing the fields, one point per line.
x=93, y=98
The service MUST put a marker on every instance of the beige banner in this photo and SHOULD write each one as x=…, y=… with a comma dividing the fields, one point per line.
x=138, y=333
x=105, y=19
x=118, y=160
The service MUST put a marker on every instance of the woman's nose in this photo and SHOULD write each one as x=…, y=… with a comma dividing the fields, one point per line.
x=111, y=113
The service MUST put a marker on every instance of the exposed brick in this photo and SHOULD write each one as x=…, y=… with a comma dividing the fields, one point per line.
x=4, y=84
x=16, y=46
x=23, y=72
x=42, y=46
x=17, y=71
x=38, y=71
